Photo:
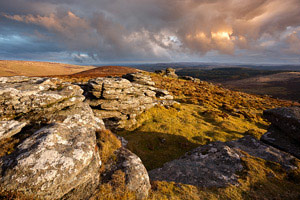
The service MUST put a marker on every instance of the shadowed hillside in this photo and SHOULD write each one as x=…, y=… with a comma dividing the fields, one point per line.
x=281, y=85
x=106, y=71
x=33, y=68
x=115, y=71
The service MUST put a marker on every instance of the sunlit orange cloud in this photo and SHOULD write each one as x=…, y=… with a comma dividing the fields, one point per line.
x=144, y=27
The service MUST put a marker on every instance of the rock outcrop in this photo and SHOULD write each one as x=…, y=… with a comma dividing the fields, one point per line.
x=169, y=72
x=218, y=163
x=284, y=132
x=57, y=155
x=118, y=101
x=189, y=78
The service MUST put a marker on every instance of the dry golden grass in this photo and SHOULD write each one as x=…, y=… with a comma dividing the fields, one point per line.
x=108, y=143
x=33, y=68
x=209, y=113
x=115, y=189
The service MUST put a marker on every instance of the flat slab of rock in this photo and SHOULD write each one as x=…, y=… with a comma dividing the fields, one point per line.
x=139, y=78
x=23, y=98
x=218, y=163
x=285, y=119
x=10, y=128
x=279, y=140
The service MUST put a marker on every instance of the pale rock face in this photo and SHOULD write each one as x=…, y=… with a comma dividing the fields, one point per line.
x=218, y=164
x=24, y=98
x=139, y=78
x=59, y=158
x=53, y=161
x=10, y=128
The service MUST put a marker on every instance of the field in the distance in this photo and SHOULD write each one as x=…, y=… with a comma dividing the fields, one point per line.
x=33, y=68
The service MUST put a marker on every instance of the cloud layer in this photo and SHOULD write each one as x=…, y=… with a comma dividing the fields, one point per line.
x=155, y=30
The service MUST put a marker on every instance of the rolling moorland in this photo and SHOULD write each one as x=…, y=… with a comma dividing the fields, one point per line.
x=206, y=113
x=279, y=81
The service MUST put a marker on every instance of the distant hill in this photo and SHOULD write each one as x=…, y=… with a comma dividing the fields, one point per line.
x=281, y=85
x=33, y=68
x=106, y=71
x=225, y=73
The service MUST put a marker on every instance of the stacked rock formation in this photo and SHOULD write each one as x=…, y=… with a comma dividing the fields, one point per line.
x=169, y=72
x=284, y=132
x=189, y=78
x=118, y=101
x=56, y=154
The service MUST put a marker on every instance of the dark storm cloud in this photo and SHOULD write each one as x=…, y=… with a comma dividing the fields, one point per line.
x=136, y=30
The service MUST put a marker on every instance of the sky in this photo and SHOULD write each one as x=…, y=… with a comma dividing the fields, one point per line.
x=137, y=31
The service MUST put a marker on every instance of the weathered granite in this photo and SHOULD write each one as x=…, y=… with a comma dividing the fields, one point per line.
x=119, y=101
x=139, y=78
x=28, y=99
x=284, y=132
x=58, y=158
x=285, y=119
x=170, y=72
x=279, y=140
x=55, y=159
x=10, y=128
x=218, y=163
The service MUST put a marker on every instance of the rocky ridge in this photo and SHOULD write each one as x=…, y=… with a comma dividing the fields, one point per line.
x=118, y=101
x=56, y=156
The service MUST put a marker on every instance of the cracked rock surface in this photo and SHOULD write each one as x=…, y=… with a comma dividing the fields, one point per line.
x=218, y=163
x=120, y=100
x=284, y=132
x=57, y=155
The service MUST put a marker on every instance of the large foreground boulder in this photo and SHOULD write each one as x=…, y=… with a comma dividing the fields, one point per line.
x=218, y=164
x=55, y=159
x=284, y=132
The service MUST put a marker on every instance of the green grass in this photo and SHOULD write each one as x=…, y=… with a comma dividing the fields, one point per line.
x=169, y=133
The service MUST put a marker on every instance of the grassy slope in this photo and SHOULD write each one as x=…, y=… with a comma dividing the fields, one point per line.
x=30, y=68
x=209, y=113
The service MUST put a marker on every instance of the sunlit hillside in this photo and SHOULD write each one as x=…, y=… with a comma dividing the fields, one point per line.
x=33, y=68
